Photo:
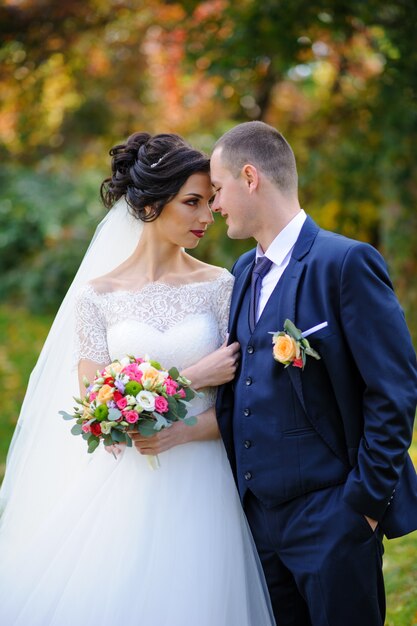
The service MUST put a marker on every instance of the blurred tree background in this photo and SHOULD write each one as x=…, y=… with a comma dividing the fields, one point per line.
x=337, y=77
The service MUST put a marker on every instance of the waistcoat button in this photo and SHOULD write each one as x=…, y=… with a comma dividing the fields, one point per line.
x=250, y=349
x=248, y=381
x=247, y=443
x=246, y=412
x=248, y=475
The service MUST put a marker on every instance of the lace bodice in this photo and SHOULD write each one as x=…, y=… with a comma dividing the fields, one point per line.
x=175, y=325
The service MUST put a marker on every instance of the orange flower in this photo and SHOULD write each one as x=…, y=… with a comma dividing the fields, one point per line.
x=285, y=349
x=151, y=378
x=115, y=367
x=105, y=394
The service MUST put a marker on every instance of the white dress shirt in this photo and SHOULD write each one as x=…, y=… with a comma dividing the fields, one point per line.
x=279, y=252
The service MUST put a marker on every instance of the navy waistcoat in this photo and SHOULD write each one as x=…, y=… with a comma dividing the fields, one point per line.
x=279, y=454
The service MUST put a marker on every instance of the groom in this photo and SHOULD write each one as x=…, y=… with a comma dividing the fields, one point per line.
x=319, y=453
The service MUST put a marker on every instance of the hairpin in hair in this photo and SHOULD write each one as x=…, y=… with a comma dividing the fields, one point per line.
x=157, y=162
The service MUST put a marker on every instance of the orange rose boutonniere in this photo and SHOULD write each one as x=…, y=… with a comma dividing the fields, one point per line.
x=290, y=347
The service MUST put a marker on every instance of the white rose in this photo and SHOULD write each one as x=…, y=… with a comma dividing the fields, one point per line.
x=146, y=400
x=131, y=400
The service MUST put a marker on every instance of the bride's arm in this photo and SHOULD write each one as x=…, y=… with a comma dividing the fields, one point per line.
x=88, y=369
x=179, y=433
x=216, y=368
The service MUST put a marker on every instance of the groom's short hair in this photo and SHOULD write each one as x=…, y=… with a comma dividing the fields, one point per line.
x=264, y=147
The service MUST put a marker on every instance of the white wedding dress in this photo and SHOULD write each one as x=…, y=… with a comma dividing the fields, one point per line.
x=131, y=546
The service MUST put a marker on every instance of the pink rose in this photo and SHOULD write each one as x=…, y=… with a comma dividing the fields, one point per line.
x=122, y=403
x=86, y=428
x=181, y=393
x=298, y=363
x=133, y=372
x=93, y=396
x=161, y=404
x=171, y=386
x=131, y=417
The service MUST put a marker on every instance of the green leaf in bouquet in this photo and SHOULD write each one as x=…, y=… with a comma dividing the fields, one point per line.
x=182, y=380
x=108, y=441
x=114, y=415
x=86, y=382
x=86, y=436
x=156, y=365
x=174, y=373
x=171, y=417
x=181, y=409
x=77, y=429
x=146, y=427
x=93, y=443
x=191, y=420
x=172, y=405
x=118, y=436
x=66, y=415
x=161, y=421
x=189, y=394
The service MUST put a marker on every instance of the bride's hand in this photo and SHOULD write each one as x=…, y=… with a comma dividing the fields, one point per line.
x=162, y=441
x=206, y=429
x=216, y=368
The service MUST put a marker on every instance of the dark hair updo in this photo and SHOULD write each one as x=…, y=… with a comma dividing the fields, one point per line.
x=150, y=171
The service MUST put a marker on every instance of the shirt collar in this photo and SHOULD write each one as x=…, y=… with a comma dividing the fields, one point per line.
x=284, y=242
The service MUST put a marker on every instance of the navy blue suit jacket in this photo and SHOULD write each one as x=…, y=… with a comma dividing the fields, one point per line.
x=361, y=396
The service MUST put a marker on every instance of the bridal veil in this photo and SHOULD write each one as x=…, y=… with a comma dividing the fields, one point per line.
x=44, y=458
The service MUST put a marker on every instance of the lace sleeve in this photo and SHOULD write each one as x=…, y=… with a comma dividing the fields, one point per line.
x=90, y=329
x=222, y=303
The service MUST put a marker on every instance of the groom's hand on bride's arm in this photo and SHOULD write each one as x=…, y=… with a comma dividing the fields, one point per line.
x=216, y=368
x=179, y=433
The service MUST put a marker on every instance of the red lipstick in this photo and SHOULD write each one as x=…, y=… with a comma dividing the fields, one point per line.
x=198, y=233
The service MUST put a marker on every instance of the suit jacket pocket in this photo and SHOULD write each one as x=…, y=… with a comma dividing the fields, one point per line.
x=299, y=432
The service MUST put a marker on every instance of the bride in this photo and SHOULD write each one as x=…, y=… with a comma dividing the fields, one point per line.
x=101, y=539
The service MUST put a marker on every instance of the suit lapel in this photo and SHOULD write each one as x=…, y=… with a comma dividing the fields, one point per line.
x=239, y=289
x=288, y=288
x=287, y=310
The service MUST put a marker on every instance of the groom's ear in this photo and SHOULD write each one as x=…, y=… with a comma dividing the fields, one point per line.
x=250, y=176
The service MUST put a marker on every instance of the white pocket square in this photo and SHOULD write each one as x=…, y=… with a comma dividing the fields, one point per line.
x=314, y=329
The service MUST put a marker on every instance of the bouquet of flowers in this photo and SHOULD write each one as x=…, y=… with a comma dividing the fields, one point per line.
x=130, y=394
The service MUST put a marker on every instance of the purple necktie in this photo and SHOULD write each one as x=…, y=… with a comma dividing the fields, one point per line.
x=261, y=268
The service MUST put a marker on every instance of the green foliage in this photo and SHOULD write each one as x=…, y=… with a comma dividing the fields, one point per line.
x=21, y=339
x=46, y=222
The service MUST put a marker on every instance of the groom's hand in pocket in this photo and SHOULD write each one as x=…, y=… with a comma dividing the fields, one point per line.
x=216, y=368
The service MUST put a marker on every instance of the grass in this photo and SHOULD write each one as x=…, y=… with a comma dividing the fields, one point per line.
x=21, y=338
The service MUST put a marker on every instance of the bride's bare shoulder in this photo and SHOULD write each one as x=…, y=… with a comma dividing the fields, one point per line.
x=107, y=283
x=203, y=272
x=200, y=271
